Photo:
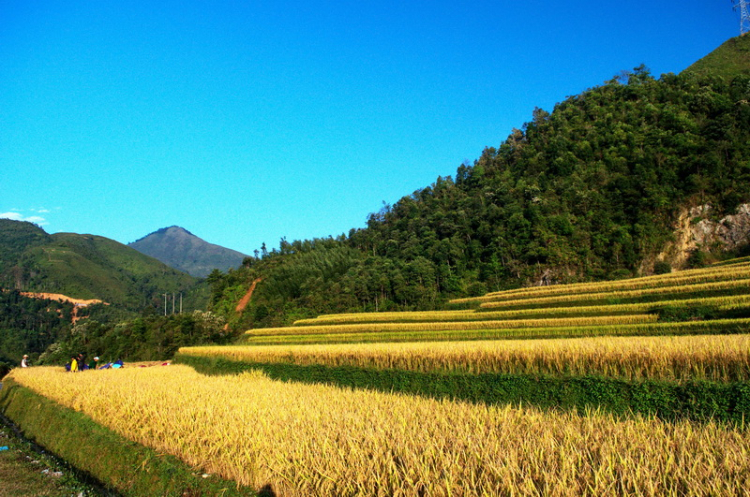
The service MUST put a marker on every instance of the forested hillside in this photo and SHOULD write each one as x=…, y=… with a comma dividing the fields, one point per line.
x=135, y=322
x=89, y=267
x=730, y=60
x=44, y=329
x=29, y=326
x=589, y=191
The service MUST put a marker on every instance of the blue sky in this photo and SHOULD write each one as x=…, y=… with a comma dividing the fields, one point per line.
x=245, y=122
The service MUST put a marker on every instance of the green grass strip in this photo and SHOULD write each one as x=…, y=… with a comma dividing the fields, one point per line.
x=120, y=464
x=696, y=400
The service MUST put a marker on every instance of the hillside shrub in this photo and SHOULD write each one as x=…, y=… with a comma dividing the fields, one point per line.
x=697, y=258
x=662, y=267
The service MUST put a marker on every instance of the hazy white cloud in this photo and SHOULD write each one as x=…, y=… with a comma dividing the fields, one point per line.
x=17, y=216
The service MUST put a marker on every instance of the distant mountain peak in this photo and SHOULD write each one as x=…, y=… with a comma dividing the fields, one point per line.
x=179, y=248
x=164, y=231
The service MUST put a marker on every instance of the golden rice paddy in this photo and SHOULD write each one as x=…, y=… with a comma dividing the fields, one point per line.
x=308, y=440
x=676, y=358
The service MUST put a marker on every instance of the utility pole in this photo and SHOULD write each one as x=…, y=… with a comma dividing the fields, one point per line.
x=742, y=7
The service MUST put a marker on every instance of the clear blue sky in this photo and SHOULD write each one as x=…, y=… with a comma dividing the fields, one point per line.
x=247, y=121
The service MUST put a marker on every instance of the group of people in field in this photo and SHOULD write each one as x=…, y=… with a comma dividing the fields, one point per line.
x=78, y=363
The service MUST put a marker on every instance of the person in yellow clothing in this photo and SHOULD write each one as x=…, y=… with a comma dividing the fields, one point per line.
x=73, y=365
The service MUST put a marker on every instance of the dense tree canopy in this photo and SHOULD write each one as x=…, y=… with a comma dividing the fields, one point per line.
x=44, y=329
x=589, y=191
x=29, y=326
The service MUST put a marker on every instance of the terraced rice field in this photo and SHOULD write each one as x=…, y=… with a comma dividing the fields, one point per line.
x=456, y=326
x=306, y=440
x=628, y=307
x=717, y=326
x=726, y=303
x=638, y=387
x=684, y=358
x=687, y=279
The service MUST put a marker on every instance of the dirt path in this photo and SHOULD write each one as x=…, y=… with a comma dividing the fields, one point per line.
x=246, y=299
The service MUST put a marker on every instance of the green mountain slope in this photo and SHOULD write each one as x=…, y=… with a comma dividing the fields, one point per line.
x=731, y=59
x=88, y=267
x=17, y=236
x=180, y=249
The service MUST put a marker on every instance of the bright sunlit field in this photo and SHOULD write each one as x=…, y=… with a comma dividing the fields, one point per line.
x=323, y=440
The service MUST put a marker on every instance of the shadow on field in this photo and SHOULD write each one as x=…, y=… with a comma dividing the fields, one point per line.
x=695, y=400
x=266, y=491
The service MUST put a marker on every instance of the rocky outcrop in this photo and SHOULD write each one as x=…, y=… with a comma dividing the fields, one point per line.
x=700, y=228
x=729, y=233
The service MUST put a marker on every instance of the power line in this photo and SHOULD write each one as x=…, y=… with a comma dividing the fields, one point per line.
x=742, y=7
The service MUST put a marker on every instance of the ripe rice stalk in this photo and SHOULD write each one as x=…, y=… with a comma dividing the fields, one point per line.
x=375, y=317
x=453, y=326
x=318, y=440
x=724, y=302
x=723, y=358
x=689, y=277
x=742, y=285
x=732, y=262
x=708, y=327
x=625, y=285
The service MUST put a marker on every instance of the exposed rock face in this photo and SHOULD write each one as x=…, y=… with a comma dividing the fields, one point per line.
x=698, y=229
x=729, y=232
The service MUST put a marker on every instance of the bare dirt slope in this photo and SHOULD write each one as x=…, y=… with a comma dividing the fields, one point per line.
x=62, y=298
x=246, y=299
